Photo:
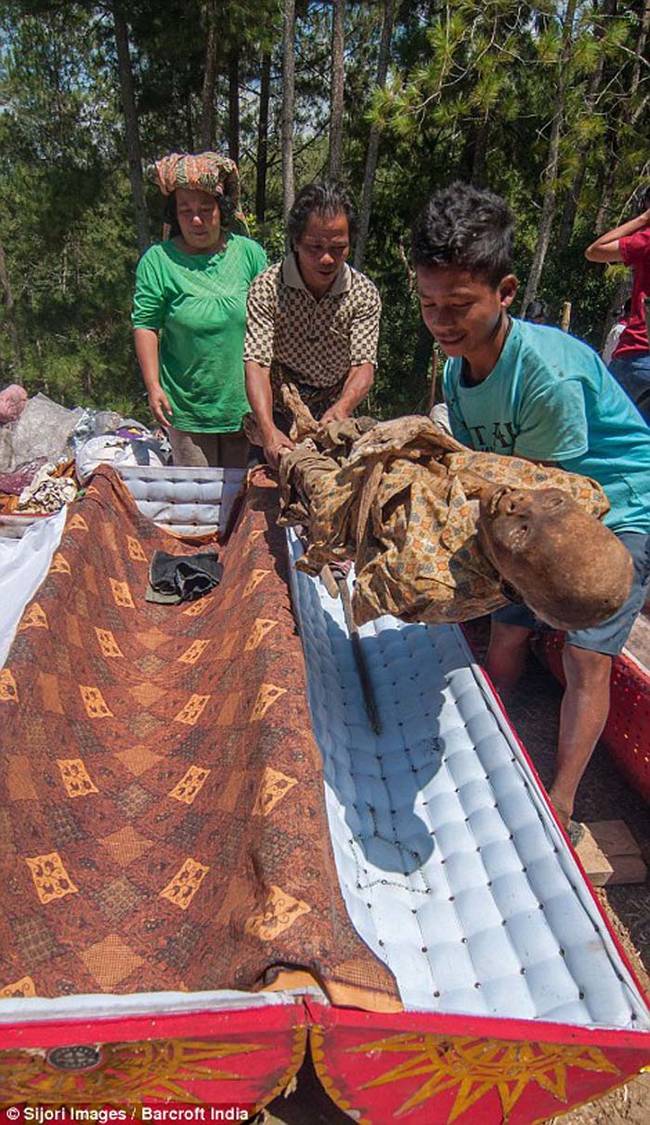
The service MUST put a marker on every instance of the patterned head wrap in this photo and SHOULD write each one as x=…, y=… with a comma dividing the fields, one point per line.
x=203, y=171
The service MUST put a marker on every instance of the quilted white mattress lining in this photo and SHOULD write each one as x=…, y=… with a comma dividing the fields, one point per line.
x=184, y=500
x=452, y=867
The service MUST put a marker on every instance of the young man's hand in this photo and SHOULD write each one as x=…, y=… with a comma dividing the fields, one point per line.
x=274, y=442
x=160, y=406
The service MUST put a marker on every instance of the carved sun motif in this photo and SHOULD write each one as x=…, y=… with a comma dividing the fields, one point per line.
x=155, y=1069
x=475, y=1067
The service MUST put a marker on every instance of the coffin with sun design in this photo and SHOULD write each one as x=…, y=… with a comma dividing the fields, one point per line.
x=428, y=1069
x=378, y=1068
x=240, y=1056
x=204, y=806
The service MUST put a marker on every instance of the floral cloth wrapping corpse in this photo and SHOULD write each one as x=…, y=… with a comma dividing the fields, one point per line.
x=400, y=498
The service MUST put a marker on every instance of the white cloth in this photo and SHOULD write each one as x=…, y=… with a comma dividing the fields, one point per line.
x=109, y=449
x=24, y=564
x=613, y=336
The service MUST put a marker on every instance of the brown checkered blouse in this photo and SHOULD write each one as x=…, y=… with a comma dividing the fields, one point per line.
x=318, y=340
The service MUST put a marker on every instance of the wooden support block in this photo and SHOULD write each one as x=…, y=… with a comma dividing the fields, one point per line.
x=610, y=854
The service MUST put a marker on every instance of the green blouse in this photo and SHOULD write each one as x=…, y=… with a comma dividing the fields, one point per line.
x=198, y=304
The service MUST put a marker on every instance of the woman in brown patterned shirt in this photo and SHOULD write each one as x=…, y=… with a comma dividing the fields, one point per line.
x=312, y=320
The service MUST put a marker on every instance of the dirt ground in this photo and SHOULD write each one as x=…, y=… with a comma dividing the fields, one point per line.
x=604, y=795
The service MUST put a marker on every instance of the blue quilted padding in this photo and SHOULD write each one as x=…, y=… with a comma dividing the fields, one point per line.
x=452, y=868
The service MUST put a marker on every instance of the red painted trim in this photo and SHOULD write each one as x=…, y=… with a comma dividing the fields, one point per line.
x=304, y=1012
x=481, y=1027
x=191, y=1025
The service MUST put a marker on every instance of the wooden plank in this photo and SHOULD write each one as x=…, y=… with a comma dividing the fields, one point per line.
x=610, y=854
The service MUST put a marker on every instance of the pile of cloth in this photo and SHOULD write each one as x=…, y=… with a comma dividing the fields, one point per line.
x=38, y=487
x=45, y=449
x=415, y=510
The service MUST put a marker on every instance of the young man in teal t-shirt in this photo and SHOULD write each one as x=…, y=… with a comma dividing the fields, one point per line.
x=535, y=392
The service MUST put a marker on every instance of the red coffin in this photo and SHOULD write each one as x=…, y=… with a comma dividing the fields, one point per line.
x=435, y=1070
x=241, y=1058
x=426, y=1069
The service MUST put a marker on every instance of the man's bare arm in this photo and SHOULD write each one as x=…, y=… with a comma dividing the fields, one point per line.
x=358, y=382
x=260, y=397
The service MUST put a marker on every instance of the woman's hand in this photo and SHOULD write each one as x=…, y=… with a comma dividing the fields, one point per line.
x=159, y=406
x=275, y=441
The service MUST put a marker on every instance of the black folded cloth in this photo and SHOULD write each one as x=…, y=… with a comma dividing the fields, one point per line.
x=182, y=578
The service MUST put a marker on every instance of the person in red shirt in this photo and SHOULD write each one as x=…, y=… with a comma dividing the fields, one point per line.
x=630, y=243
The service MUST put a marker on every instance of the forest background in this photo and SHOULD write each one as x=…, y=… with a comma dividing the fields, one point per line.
x=545, y=103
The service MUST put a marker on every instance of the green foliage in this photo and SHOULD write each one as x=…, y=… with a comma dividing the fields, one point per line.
x=549, y=45
x=471, y=92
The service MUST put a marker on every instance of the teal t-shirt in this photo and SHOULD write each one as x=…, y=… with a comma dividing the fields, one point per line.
x=550, y=398
x=198, y=304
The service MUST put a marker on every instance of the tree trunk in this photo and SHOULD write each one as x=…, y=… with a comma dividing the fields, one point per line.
x=421, y=387
x=479, y=152
x=628, y=115
x=10, y=315
x=233, y=105
x=572, y=200
x=336, y=89
x=573, y=195
x=209, y=76
x=644, y=30
x=549, y=200
x=288, y=102
x=602, y=221
x=374, y=138
x=263, y=139
x=131, y=126
x=189, y=124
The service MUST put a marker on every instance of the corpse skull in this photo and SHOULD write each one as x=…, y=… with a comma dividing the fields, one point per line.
x=567, y=567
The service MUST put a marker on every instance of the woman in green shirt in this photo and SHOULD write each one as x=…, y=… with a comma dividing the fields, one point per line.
x=189, y=312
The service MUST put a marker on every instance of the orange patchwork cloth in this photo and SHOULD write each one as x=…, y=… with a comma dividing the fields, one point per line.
x=162, y=820
x=400, y=499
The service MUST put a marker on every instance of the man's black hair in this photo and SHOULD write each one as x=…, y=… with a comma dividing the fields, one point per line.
x=468, y=228
x=226, y=210
x=325, y=198
x=645, y=197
